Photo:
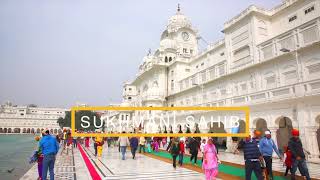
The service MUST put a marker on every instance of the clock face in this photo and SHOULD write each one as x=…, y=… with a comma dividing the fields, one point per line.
x=185, y=36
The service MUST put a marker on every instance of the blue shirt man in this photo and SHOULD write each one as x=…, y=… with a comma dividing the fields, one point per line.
x=49, y=147
x=267, y=146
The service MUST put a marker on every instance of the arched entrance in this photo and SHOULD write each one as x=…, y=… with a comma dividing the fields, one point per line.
x=9, y=130
x=242, y=129
x=284, y=132
x=220, y=142
x=59, y=131
x=38, y=131
x=51, y=131
x=261, y=125
x=28, y=130
x=242, y=126
x=5, y=130
x=1, y=130
x=24, y=130
x=32, y=130
x=16, y=130
x=55, y=131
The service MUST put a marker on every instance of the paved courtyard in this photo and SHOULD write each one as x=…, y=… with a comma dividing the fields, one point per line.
x=110, y=166
x=143, y=167
x=277, y=165
x=65, y=167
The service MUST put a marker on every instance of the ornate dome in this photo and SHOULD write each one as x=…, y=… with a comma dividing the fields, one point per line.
x=167, y=44
x=178, y=21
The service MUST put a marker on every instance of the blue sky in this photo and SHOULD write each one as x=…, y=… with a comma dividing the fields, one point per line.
x=59, y=52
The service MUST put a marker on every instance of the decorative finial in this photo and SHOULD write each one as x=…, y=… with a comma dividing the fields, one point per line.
x=149, y=52
x=178, y=8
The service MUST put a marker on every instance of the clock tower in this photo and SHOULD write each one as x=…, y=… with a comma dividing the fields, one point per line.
x=179, y=39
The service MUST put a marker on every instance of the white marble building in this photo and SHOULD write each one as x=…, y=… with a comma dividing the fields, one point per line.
x=268, y=60
x=27, y=119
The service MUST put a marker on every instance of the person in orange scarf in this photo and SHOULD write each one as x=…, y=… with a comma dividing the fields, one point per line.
x=298, y=156
x=40, y=158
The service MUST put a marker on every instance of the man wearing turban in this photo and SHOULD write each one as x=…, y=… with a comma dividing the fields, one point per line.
x=298, y=156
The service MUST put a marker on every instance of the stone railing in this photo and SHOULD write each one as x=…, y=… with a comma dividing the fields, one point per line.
x=152, y=96
x=291, y=40
x=263, y=96
x=28, y=116
x=284, y=5
x=244, y=13
x=279, y=93
x=147, y=66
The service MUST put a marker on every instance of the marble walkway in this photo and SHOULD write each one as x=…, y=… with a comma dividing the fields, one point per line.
x=110, y=166
x=142, y=167
x=277, y=165
x=65, y=167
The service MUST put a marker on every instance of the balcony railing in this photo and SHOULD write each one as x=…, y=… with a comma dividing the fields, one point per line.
x=152, y=96
x=264, y=96
x=292, y=40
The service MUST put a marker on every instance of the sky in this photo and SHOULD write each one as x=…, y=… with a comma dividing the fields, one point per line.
x=56, y=53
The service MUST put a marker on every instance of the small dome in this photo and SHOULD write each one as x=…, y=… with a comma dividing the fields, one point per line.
x=167, y=44
x=147, y=59
x=178, y=21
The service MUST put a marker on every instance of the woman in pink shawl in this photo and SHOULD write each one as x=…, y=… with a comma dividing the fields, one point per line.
x=210, y=160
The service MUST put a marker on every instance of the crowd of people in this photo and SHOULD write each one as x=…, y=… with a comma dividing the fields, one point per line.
x=258, y=155
x=257, y=150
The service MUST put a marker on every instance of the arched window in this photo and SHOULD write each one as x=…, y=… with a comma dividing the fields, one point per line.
x=155, y=84
x=145, y=88
x=172, y=85
x=289, y=74
x=170, y=59
x=270, y=79
x=166, y=59
x=313, y=66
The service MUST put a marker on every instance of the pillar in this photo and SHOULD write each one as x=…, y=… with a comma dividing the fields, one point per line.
x=308, y=131
x=312, y=142
x=273, y=131
x=302, y=121
x=229, y=142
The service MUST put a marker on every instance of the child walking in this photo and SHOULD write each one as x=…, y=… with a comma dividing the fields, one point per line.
x=181, y=152
x=288, y=160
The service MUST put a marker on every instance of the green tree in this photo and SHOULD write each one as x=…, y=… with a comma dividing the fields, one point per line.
x=60, y=121
x=66, y=121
